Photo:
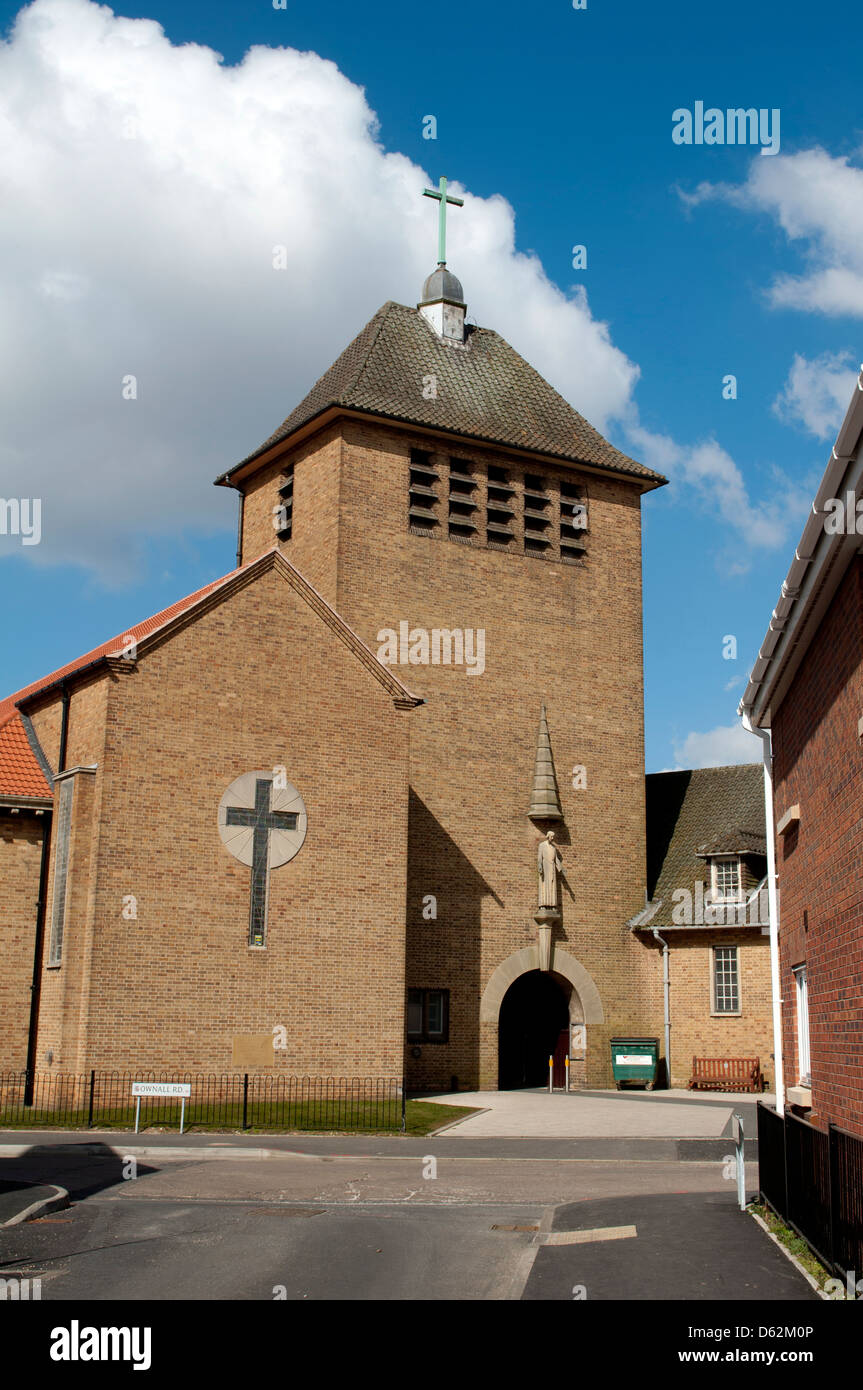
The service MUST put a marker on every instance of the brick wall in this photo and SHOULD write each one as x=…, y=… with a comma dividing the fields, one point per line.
x=696, y=1029
x=64, y=991
x=253, y=682
x=314, y=543
x=20, y=862
x=566, y=634
x=818, y=764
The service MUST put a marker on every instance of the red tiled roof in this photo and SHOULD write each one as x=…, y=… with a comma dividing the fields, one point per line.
x=20, y=773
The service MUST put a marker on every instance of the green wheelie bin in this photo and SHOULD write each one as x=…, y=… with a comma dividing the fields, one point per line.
x=635, y=1059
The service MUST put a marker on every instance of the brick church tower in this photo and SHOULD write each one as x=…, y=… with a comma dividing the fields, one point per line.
x=480, y=536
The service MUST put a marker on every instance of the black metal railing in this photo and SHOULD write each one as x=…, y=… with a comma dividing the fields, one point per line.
x=813, y=1180
x=230, y=1101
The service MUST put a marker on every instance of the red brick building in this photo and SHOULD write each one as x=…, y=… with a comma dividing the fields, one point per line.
x=807, y=690
x=309, y=800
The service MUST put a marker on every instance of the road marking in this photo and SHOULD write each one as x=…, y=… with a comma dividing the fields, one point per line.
x=587, y=1237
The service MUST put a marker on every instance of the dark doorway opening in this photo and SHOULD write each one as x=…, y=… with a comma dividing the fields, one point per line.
x=533, y=1014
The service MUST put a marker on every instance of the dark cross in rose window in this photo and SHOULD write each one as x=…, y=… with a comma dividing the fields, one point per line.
x=261, y=820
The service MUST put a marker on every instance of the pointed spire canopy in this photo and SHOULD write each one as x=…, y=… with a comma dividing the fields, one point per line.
x=544, y=801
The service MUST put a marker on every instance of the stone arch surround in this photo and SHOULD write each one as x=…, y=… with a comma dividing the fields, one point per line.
x=520, y=962
x=585, y=1005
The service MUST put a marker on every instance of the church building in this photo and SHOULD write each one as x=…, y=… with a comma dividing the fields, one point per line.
x=373, y=803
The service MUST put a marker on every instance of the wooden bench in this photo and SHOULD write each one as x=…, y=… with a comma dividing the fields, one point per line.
x=726, y=1074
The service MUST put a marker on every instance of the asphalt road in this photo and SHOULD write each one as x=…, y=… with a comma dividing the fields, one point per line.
x=361, y=1227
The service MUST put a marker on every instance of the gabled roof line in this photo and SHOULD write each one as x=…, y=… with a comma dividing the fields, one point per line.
x=96, y=655
x=111, y=651
x=215, y=594
x=402, y=697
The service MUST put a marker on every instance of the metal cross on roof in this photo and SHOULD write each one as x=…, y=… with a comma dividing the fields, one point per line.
x=443, y=198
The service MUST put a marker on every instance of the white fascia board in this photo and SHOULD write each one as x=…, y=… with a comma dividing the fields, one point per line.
x=818, y=557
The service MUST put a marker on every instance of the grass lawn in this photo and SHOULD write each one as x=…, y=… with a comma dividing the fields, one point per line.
x=321, y=1117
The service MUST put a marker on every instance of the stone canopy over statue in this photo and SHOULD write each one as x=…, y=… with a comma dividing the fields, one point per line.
x=549, y=865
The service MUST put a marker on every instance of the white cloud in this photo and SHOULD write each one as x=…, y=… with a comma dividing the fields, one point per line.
x=817, y=200
x=145, y=186
x=720, y=747
x=720, y=489
x=817, y=392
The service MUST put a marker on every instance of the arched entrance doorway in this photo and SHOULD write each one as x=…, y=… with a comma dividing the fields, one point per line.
x=533, y=1012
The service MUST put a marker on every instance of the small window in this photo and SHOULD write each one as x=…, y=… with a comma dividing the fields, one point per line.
x=801, y=980
x=61, y=866
x=428, y=1015
x=726, y=980
x=726, y=885
x=283, y=512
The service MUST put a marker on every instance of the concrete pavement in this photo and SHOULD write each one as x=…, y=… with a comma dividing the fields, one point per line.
x=617, y=1114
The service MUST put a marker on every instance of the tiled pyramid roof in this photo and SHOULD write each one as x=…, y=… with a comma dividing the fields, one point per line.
x=485, y=391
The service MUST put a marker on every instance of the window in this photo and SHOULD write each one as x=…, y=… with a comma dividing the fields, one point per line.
x=726, y=885
x=726, y=980
x=801, y=980
x=428, y=1015
x=283, y=513
x=61, y=866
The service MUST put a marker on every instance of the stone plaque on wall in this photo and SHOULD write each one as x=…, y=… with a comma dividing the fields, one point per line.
x=252, y=1050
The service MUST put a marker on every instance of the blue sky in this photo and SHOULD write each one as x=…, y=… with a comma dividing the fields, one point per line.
x=702, y=261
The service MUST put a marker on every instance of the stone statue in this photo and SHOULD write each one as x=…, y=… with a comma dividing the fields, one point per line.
x=549, y=865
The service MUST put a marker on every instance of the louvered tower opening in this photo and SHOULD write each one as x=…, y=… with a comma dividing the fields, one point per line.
x=573, y=522
x=424, y=496
x=500, y=509
x=537, y=515
x=463, y=506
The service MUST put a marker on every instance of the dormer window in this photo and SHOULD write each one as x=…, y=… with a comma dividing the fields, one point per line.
x=725, y=879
